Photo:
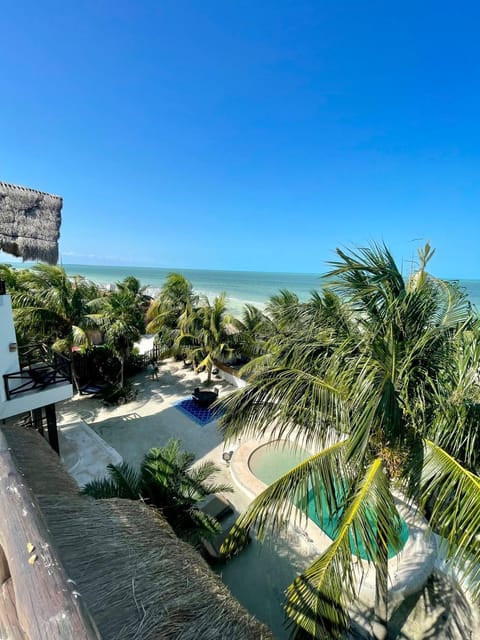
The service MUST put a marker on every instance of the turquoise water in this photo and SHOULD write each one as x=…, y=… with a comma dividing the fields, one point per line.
x=240, y=286
x=271, y=461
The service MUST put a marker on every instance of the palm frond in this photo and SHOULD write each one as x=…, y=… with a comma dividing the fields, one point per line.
x=124, y=482
x=258, y=363
x=103, y=488
x=200, y=476
x=452, y=494
x=206, y=526
x=318, y=599
x=281, y=399
x=127, y=480
x=288, y=497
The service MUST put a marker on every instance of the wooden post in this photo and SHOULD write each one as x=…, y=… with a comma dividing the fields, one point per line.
x=45, y=599
x=51, y=416
x=37, y=420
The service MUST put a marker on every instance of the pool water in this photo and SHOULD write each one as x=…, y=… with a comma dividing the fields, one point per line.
x=272, y=460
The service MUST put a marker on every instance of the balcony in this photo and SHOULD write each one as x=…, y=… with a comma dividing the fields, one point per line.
x=45, y=377
x=41, y=367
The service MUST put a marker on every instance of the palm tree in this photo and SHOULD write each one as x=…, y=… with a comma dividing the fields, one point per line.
x=282, y=309
x=255, y=327
x=10, y=276
x=208, y=333
x=166, y=480
x=122, y=321
x=132, y=285
x=52, y=307
x=175, y=300
x=385, y=398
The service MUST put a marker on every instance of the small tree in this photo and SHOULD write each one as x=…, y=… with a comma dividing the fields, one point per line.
x=168, y=481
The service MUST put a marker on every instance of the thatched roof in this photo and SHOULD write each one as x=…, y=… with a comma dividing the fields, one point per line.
x=29, y=223
x=136, y=577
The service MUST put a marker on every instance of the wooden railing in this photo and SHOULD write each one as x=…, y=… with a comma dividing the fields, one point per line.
x=39, y=601
x=41, y=368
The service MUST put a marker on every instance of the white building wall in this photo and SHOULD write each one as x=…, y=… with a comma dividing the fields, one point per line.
x=8, y=359
x=9, y=363
x=233, y=380
x=35, y=399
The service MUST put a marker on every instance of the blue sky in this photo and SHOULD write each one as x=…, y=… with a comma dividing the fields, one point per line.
x=249, y=135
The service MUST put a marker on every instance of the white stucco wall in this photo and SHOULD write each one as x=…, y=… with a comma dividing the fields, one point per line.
x=233, y=380
x=8, y=359
x=9, y=363
x=35, y=399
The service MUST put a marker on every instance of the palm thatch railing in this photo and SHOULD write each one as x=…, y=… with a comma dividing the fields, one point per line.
x=136, y=578
x=29, y=223
x=41, y=367
x=38, y=599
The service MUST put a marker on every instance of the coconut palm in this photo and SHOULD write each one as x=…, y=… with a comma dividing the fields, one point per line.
x=121, y=319
x=254, y=327
x=282, y=309
x=167, y=480
x=54, y=308
x=10, y=276
x=133, y=285
x=175, y=300
x=208, y=334
x=384, y=399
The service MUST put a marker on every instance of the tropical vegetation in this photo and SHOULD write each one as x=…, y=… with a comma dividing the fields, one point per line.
x=49, y=304
x=122, y=321
x=379, y=378
x=167, y=481
x=378, y=374
x=208, y=334
x=175, y=302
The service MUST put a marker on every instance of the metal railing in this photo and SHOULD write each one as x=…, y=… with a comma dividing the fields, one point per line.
x=41, y=367
x=155, y=354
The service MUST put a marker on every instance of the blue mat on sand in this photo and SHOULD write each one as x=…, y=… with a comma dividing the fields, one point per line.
x=200, y=415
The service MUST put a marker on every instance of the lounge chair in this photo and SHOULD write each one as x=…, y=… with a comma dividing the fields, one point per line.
x=218, y=507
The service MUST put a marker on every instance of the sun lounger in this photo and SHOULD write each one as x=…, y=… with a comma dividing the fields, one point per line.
x=218, y=507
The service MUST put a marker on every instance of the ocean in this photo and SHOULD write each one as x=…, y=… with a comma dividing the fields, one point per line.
x=241, y=287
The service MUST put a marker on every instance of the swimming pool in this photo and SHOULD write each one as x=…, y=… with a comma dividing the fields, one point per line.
x=270, y=461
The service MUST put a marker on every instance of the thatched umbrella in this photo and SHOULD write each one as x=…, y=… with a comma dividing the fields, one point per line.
x=136, y=577
x=29, y=223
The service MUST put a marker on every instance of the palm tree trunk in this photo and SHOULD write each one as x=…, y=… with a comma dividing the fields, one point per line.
x=74, y=374
x=209, y=370
x=380, y=629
